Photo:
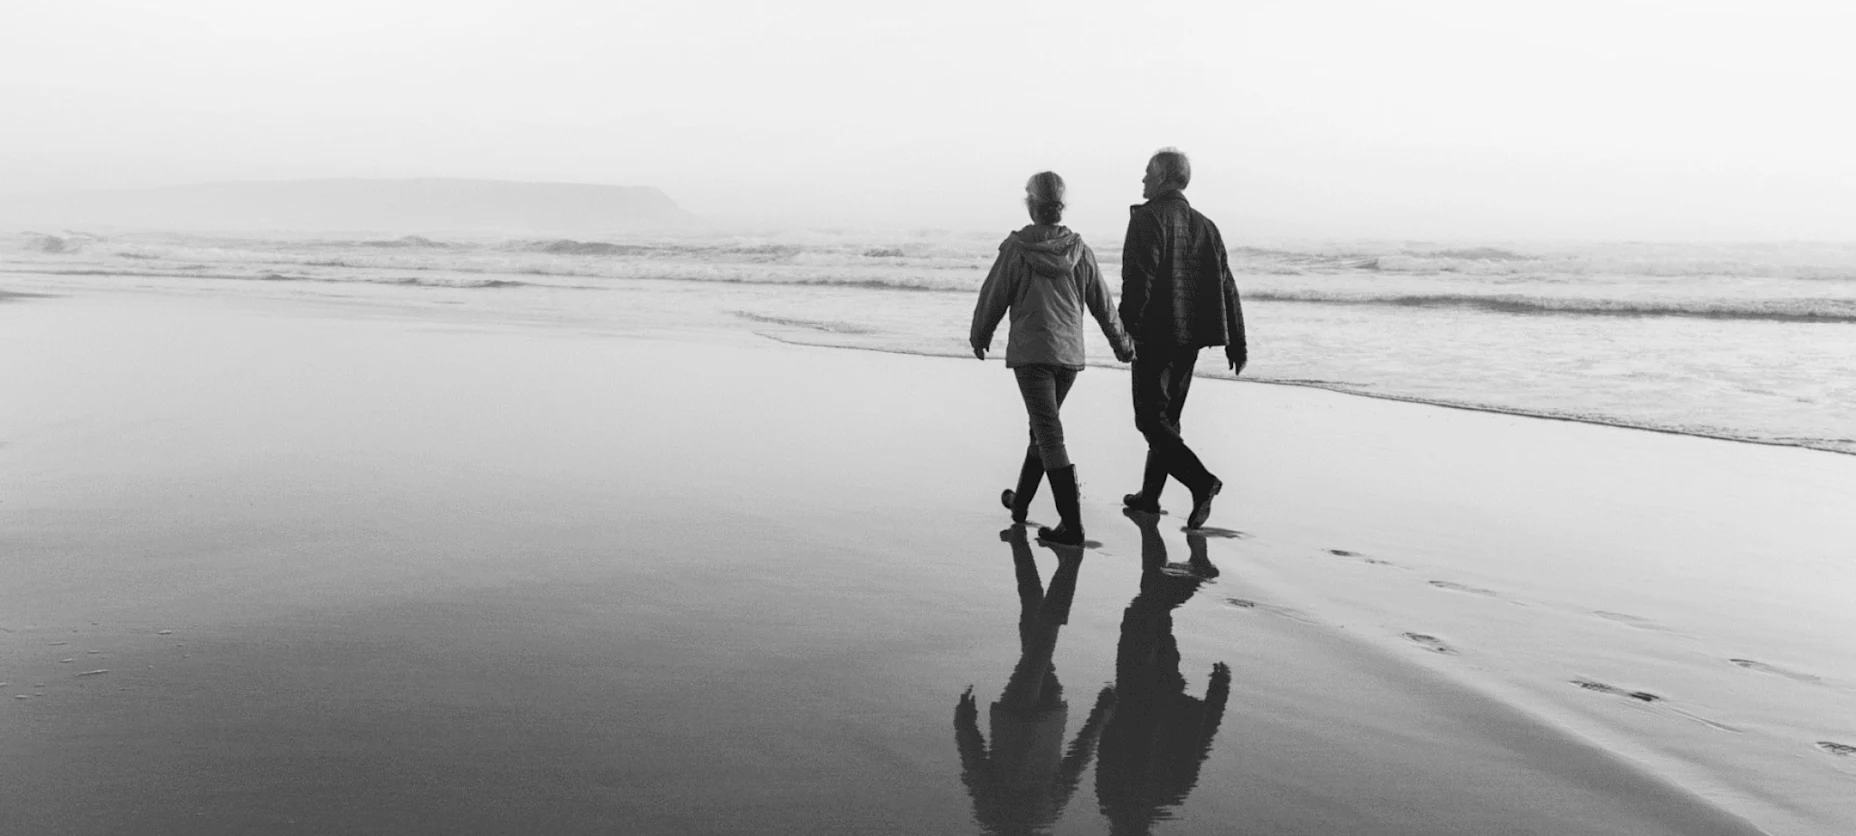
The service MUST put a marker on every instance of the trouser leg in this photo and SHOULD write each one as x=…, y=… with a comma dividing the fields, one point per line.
x=1062, y=378
x=1186, y=466
x=1161, y=379
x=1043, y=388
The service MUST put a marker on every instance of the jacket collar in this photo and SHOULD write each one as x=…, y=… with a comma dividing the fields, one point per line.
x=1169, y=194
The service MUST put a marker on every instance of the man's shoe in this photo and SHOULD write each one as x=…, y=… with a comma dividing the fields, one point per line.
x=1153, y=481
x=1202, y=504
x=1062, y=535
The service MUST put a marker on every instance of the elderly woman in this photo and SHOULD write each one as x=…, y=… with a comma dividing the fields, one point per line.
x=1046, y=277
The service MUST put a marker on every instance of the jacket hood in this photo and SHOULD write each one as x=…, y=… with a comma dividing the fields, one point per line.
x=1050, y=250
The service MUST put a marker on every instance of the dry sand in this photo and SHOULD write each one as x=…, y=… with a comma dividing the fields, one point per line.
x=269, y=565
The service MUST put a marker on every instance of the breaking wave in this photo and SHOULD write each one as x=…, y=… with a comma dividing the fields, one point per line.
x=69, y=243
x=406, y=242
x=404, y=281
x=1494, y=262
x=750, y=251
x=566, y=247
x=815, y=325
x=401, y=281
x=1777, y=310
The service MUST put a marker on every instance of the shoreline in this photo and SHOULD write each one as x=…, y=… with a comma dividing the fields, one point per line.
x=1729, y=394
x=1340, y=389
x=1546, y=416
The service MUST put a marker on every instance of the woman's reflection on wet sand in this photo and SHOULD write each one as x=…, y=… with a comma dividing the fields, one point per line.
x=1159, y=736
x=1021, y=783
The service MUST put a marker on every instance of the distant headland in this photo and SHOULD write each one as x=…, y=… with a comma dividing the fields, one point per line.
x=356, y=205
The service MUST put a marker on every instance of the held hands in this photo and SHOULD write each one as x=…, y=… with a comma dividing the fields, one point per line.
x=968, y=711
x=1124, y=354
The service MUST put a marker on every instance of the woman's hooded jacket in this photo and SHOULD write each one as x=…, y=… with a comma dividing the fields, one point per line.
x=1046, y=277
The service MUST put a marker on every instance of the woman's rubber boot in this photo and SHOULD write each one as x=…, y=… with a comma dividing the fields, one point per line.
x=1069, y=532
x=1018, y=501
x=1153, y=481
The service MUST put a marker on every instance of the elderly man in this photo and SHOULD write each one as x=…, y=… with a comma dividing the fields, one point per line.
x=1177, y=296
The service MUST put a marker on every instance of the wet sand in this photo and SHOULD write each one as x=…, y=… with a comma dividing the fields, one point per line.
x=401, y=572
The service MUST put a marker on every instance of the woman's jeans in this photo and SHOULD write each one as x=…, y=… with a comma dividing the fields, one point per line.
x=1044, y=388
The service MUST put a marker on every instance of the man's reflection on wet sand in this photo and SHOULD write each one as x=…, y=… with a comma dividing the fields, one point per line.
x=1153, y=746
x=1021, y=783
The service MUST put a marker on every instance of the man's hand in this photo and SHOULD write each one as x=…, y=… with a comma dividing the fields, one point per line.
x=979, y=353
x=1236, y=359
x=1125, y=355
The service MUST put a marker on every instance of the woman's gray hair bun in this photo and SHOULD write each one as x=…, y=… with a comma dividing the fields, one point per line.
x=1044, y=197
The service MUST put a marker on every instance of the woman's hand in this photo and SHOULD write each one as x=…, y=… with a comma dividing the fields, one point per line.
x=1125, y=355
x=979, y=353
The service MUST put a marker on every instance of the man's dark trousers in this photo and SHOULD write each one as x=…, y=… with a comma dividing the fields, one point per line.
x=1162, y=376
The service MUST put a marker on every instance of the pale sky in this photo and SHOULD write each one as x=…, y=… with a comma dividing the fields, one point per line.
x=1437, y=119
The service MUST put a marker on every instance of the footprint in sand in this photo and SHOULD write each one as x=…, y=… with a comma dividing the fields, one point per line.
x=1472, y=590
x=1762, y=667
x=1430, y=643
x=1360, y=557
x=1630, y=620
x=1841, y=750
x=1206, y=573
x=1646, y=696
x=1704, y=721
x=1272, y=609
x=1603, y=688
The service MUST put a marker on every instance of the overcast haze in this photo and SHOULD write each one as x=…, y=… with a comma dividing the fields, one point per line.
x=1410, y=119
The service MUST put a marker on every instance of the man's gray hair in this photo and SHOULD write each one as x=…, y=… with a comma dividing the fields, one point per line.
x=1172, y=166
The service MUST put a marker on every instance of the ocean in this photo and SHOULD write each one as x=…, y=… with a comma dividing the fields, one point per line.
x=1747, y=342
